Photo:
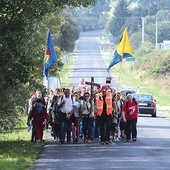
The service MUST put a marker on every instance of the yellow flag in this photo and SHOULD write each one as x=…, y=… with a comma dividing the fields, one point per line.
x=123, y=50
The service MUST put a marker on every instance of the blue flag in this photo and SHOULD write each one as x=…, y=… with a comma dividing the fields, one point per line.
x=50, y=55
x=123, y=50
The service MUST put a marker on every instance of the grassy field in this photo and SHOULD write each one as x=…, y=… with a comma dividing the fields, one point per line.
x=132, y=79
x=16, y=150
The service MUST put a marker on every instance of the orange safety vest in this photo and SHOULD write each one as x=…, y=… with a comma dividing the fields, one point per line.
x=99, y=103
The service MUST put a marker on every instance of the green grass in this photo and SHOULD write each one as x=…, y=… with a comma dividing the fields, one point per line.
x=131, y=79
x=16, y=150
x=67, y=70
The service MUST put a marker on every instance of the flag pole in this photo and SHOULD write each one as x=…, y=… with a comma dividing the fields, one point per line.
x=47, y=83
x=118, y=84
x=46, y=78
x=119, y=77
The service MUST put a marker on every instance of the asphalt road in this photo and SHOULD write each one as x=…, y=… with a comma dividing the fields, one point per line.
x=150, y=151
x=89, y=62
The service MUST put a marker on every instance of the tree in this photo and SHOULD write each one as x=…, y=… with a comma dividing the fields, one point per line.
x=163, y=26
x=119, y=20
x=69, y=33
x=93, y=17
x=22, y=37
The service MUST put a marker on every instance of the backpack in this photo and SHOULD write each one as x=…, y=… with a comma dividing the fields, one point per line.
x=71, y=99
x=56, y=112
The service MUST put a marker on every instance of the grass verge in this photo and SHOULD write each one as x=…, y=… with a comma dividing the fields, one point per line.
x=133, y=79
x=16, y=150
x=67, y=70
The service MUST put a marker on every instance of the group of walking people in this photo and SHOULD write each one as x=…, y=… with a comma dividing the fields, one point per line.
x=76, y=113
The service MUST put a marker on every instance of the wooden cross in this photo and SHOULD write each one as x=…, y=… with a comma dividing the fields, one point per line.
x=92, y=84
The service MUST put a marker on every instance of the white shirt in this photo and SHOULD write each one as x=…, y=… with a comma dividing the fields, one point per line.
x=68, y=106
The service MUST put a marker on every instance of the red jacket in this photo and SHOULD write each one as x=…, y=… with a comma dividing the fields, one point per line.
x=38, y=117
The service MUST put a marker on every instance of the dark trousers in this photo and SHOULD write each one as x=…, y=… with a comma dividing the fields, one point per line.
x=95, y=129
x=130, y=128
x=65, y=126
x=104, y=123
x=56, y=130
x=87, y=126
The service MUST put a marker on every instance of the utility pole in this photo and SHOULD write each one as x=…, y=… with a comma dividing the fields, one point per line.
x=143, y=29
x=156, y=34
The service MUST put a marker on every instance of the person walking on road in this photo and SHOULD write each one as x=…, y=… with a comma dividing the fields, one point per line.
x=32, y=103
x=39, y=115
x=76, y=118
x=114, y=125
x=67, y=106
x=55, y=119
x=130, y=116
x=49, y=107
x=87, y=117
x=38, y=95
x=82, y=84
x=103, y=104
x=122, y=123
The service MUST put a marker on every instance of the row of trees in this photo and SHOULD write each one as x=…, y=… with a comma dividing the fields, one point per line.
x=150, y=63
x=92, y=17
x=126, y=14
x=129, y=13
x=23, y=28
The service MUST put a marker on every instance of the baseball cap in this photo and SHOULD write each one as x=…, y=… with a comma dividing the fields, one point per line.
x=104, y=88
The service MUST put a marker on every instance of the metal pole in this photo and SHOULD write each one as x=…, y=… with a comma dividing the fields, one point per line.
x=143, y=29
x=156, y=34
x=47, y=82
